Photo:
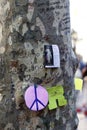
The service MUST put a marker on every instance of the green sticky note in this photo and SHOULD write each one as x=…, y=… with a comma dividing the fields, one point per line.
x=56, y=96
x=52, y=104
x=78, y=83
x=62, y=101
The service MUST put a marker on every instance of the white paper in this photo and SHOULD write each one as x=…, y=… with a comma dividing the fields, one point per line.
x=56, y=57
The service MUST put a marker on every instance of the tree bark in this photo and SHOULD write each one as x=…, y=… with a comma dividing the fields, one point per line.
x=25, y=27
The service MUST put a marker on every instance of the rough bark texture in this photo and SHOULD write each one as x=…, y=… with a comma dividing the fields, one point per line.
x=25, y=27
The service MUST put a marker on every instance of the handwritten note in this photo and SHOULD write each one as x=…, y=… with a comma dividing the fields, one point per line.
x=56, y=97
x=78, y=83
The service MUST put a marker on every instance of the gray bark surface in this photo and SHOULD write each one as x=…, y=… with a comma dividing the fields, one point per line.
x=25, y=27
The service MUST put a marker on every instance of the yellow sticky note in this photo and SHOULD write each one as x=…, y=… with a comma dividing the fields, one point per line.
x=56, y=95
x=78, y=83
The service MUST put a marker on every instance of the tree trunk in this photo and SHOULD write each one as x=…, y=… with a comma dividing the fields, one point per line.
x=25, y=27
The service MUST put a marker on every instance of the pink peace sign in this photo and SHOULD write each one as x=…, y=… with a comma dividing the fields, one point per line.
x=36, y=97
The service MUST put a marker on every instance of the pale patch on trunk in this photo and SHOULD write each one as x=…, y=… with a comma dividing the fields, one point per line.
x=40, y=24
x=0, y=32
x=30, y=12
